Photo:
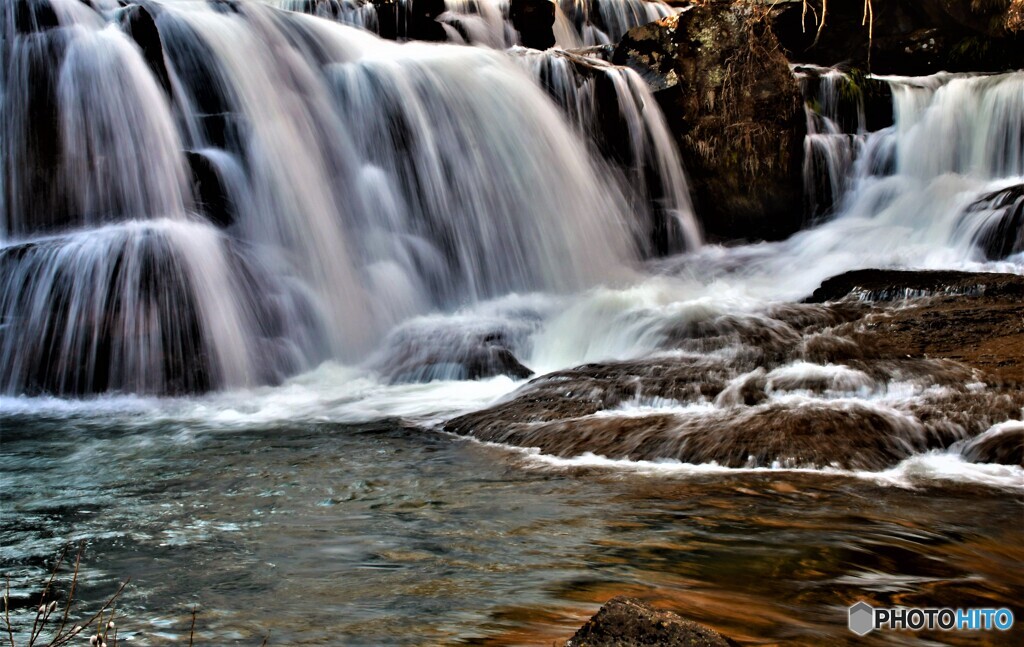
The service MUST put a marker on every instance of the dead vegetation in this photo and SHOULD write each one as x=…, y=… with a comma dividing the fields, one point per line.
x=51, y=625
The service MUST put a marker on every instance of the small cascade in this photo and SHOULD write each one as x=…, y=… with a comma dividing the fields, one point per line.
x=577, y=23
x=617, y=110
x=836, y=131
x=358, y=13
x=604, y=22
x=945, y=173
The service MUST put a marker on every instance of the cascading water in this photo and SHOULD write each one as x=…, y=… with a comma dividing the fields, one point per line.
x=339, y=165
x=939, y=189
x=577, y=23
x=834, y=135
x=619, y=111
x=611, y=20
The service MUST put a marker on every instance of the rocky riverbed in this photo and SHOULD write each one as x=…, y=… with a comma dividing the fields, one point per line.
x=937, y=359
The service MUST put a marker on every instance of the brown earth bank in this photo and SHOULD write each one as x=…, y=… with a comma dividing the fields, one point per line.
x=797, y=384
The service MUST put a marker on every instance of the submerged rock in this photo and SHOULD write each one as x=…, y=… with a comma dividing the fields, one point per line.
x=735, y=110
x=626, y=622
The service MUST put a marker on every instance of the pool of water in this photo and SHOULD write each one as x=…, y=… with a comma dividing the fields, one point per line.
x=314, y=531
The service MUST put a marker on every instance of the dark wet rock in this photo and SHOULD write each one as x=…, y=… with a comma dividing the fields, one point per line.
x=1003, y=234
x=891, y=285
x=533, y=19
x=1003, y=444
x=849, y=437
x=30, y=16
x=397, y=20
x=210, y=190
x=201, y=80
x=138, y=23
x=36, y=198
x=970, y=318
x=414, y=354
x=910, y=36
x=735, y=110
x=626, y=622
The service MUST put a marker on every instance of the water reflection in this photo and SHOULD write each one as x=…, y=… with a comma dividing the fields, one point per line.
x=383, y=534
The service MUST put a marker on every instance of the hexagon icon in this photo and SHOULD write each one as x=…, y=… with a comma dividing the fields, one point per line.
x=862, y=618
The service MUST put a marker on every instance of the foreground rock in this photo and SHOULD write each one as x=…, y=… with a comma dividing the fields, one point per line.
x=862, y=382
x=735, y=110
x=974, y=319
x=625, y=622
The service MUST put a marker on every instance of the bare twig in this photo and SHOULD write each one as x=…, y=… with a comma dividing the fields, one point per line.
x=71, y=593
x=36, y=627
x=66, y=638
x=192, y=629
x=7, y=612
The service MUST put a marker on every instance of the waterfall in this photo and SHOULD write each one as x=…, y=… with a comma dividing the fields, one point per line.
x=618, y=111
x=602, y=22
x=836, y=130
x=578, y=23
x=934, y=189
x=205, y=195
x=956, y=140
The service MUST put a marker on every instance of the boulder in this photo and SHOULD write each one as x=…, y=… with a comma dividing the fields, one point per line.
x=735, y=110
x=1003, y=444
x=626, y=622
x=1003, y=233
x=425, y=353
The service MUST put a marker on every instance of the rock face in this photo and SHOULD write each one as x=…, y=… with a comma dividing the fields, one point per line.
x=735, y=110
x=625, y=622
x=910, y=36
